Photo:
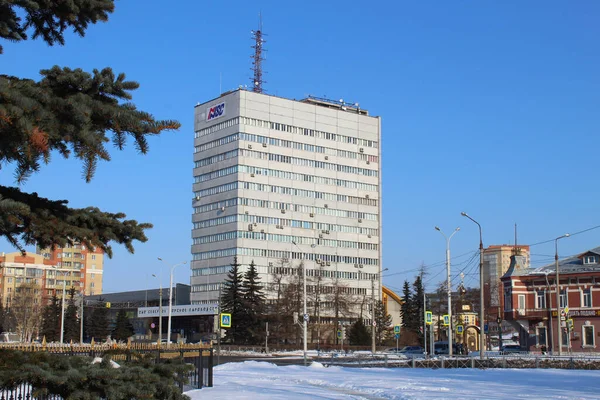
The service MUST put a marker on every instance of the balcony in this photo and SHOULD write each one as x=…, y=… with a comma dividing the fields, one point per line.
x=527, y=313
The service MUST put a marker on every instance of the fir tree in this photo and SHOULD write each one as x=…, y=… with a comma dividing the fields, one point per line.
x=232, y=303
x=254, y=302
x=418, y=310
x=51, y=320
x=406, y=312
x=358, y=334
x=72, y=326
x=123, y=327
x=68, y=112
x=99, y=324
x=384, y=323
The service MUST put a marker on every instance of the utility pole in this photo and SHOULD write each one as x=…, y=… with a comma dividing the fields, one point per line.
x=449, y=287
x=558, y=306
x=219, y=327
x=373, y=349
x=81, y=319
x=267, y=338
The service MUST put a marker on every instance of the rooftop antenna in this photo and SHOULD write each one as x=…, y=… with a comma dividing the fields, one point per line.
x=257, y=58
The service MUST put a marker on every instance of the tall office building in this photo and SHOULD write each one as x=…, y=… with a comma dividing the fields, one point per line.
x=278, y=182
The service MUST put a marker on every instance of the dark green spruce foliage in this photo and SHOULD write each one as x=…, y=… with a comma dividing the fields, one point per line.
x=232, y=302
x=72, y=326
x=69, y=112
x=73, y=377
x=123, y=327
x=98, y=327
x=254, y=302
x=358, y=334
x=51, y=320
x=384, y=323
x=406, y=312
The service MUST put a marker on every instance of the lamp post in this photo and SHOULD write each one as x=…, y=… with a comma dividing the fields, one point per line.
x=549, y=308
x=304, y=314
x=449, y=284
x=481, y=287
x=373, y=323
x=558, y=306
x=499, y=322
x=170, y=298
x=159, y=308
x=62, y=313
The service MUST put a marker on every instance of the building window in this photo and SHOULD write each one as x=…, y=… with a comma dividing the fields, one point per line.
x=93, y=256
x=589, y=260
x=540, y=299
x=521, y=299
x=92, y=285
x=563, y=299
x=588, y=335
x=587, y=298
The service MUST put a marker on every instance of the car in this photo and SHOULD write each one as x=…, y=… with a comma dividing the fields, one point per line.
x=511, y=348
x=412, y=350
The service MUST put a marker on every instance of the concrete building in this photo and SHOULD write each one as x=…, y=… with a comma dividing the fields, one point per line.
x=530, y=302
x=496, y=261
x=279, y=181
x=17, y=269
x=87, y=265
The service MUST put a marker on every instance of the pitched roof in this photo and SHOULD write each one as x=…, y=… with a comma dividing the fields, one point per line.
x=570, y=264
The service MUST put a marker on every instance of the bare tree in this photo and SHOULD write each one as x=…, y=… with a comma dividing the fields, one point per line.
x=26, y=311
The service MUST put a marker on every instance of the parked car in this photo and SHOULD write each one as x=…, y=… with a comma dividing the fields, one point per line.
x=511, y=348
x=412, y=350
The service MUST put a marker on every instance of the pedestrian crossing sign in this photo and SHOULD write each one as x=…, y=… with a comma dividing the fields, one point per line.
x=446, y=319
x=428, y=317
x=225, y=320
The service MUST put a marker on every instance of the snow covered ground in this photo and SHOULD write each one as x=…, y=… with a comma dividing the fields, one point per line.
x=262, y=380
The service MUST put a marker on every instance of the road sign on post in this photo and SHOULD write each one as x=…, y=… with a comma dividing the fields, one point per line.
x=459, y=329
x=428, y=317
x=396, y=329
x=446, y=320
x=225, y=320
x=305, y=317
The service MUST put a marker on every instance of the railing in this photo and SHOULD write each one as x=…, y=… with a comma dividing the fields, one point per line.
x=581, y=362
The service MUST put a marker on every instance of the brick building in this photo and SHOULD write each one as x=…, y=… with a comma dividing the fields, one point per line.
x=530, y=302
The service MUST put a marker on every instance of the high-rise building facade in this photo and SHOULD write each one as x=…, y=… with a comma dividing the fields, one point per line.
x=280, y=182
x=84, y=264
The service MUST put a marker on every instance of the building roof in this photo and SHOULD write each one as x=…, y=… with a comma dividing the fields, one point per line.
x=138, y=297
x=571, y=265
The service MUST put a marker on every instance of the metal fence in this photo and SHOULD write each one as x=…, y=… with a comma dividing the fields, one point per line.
x=579, y=362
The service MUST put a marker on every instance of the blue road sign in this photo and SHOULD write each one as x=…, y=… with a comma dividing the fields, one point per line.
x=396, y=328
x=225, y=320
x=485, y=328
x=397, y=335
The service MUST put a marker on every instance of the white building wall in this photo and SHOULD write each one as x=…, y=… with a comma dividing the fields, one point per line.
x=272, y=172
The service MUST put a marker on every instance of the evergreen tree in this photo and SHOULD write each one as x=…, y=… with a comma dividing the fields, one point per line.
x=68, y=112
x=254, y=302
x=358, y=334
x=123, y=327
x=72, y=326
x=384, y=323
x=406, y=311
x=51, y=320
x=418, y=310
x=99, y=323
x=232, y=303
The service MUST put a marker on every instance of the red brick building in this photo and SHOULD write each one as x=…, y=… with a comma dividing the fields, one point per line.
x=530, y=302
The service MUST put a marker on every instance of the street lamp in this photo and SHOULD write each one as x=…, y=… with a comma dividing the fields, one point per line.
x=304, y=314
x=481, y=287
x=373, y=323
x=170, y=298
x=62, y=313
x=449, y=284
x=558, y=306
x=159, y=308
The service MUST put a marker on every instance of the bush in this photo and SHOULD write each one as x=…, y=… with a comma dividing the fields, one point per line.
x=75, y=377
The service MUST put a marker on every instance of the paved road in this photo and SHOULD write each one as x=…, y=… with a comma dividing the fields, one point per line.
x=274, y=360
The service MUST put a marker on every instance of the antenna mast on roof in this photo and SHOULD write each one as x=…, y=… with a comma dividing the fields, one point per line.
x=257, y=58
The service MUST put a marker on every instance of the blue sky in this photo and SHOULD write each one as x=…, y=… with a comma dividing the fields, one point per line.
x=487, y=107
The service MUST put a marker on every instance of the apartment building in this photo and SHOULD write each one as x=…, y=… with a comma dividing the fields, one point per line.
x=87, y=265
x=279, y=182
